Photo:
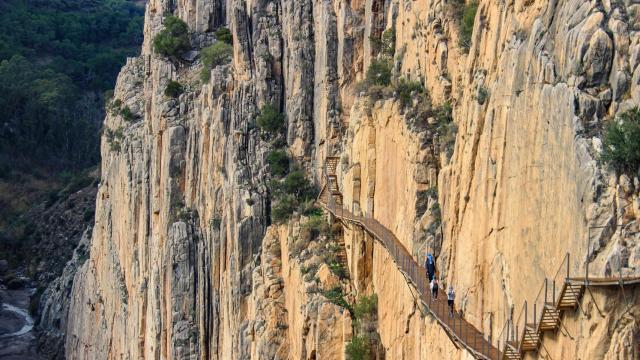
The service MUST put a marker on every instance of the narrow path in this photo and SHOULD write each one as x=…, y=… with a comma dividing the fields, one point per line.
x=462, y=332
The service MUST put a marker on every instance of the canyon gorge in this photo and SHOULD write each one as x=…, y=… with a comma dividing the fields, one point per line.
x=470, y=130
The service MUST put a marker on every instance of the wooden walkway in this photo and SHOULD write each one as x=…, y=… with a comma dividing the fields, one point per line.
x=457, y=328
x=520, y=335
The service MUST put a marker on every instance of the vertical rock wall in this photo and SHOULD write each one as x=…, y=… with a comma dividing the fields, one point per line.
x=180, y=265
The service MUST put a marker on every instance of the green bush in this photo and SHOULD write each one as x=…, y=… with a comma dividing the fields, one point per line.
x=315, y=227
x=223, y=34
x=297, y=184
x=466, y=24
x=127, y=114
x=483, y=95
x=388, y=48
x=270, y=119
x=358, y=348
x=336, y=296
x=219, y=53
x=447, y=129
x=278, y=161
x=173, y=89
x=436, y=220
x=366, y=307
x=406, y=89
x=621, y=146
x=283, y=209
x=379, y=73
x=292, y=194
x=173, y=40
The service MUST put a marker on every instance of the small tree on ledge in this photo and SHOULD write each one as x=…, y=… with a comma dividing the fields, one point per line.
x=173, y=40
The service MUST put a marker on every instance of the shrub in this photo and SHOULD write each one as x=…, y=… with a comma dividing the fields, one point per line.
x=447, y=129
x=379, y=73
x=205, y=75
x=366, y=307
x=283, y=209
x=217, y=54
x=338, y=269
x=336, y=296
x=278, y=161
x=88, y=215
x=406, y=89
x=220, y=53
x=173, y=40
x=270, y=119
x=127, y=114
x=358, y=348
x=483, y=95
x=223, y=34
x=436, y=220
x=388, y=44
x=173, y=89
x=315, y=227
x=466, y=24
x=297, y=184
x=621, y=146
x=215, y=222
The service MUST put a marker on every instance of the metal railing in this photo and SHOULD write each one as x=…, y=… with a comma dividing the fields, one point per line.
x=507, y=335
x=453, y=323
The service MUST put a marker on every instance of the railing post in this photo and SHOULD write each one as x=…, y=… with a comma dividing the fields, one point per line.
x=568, y=261
x=554, y=292
x=545, y=293
x=534, y=316
x=526, y=318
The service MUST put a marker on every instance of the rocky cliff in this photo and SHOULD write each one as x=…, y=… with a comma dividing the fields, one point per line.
x=482, y=148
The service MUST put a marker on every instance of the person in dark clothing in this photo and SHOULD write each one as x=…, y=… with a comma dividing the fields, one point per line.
x=430, y=265
x=434, y=289
x=451, y=296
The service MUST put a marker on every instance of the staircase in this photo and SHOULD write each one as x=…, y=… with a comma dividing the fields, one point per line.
x=331, y=190
x=555, y=297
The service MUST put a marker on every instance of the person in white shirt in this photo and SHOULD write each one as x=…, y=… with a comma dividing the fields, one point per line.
x=451, y=295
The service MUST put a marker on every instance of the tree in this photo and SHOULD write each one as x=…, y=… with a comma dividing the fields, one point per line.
x=278, y=162
x=466, y=24
x=270, y=119
x=223, y=34
x=173, y=40
x=173, y=89
x=217, y=54
x=621, y=146
x=220, y=53
x=379, y=73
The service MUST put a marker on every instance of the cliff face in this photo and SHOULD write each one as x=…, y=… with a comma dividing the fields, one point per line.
x=183, y=262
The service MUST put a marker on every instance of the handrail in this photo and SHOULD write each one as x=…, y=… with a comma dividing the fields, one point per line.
x=520, y=325
x=541, y=300
x=565, y=260
x=455, y=326
x=506, y=336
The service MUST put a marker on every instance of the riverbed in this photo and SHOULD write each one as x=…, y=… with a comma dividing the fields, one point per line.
x=17, y=335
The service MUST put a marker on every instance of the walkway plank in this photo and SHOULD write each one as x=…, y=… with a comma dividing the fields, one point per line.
x=457, y=328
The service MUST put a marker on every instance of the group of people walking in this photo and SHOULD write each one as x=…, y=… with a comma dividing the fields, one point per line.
x=430, y=266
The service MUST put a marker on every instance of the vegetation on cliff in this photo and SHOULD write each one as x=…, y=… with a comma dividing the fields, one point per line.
x=621, y=147
x=173, y=40
x=57, y=59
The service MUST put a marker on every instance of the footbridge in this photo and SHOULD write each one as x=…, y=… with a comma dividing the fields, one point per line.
x=519, y=335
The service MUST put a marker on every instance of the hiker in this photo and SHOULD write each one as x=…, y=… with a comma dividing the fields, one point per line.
x=430, y=265
x=451, y=295
x=434, y=288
